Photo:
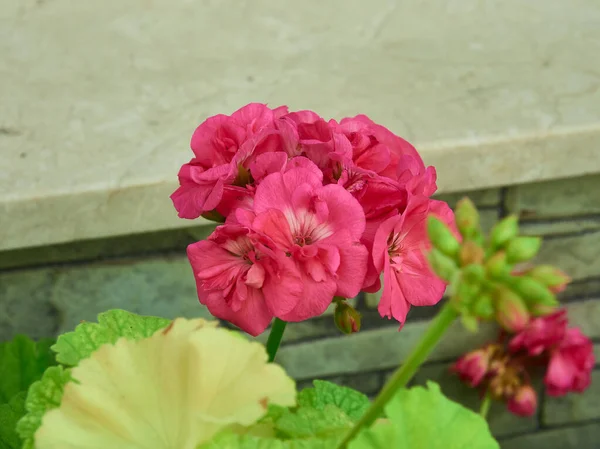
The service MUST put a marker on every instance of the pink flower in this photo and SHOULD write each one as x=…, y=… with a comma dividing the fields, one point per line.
x=570, y=365
x=473, y=366
x=398, y=250
x=377, y=149
x=224, y=148
x=523, y=402
x=319, y=228
x=319, y=141
x=242, y=281
x=541, y=333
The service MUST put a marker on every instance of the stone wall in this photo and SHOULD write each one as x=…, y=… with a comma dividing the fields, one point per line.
x=44, y=291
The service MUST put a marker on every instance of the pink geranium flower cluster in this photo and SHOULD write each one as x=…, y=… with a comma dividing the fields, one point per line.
x=503, y=368
x=312, y=209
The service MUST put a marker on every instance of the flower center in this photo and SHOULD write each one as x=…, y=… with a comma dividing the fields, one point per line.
x=306, y=228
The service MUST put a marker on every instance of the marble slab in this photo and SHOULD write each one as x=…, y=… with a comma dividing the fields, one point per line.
x=99, y=99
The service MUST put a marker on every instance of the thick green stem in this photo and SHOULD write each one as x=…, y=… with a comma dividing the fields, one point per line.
x=486, y=403
x=275, y=337
x=402, y=376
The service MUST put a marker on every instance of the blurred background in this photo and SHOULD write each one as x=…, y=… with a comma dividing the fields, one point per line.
x=98, y=101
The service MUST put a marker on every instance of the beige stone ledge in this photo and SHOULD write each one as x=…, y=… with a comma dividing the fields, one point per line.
x=99, y=100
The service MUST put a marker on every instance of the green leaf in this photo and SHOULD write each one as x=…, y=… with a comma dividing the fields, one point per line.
x=425, y=418
x=353, y=403
x=43, y=395
x=22, y=362
x=75, y=346
x=325, y=411
x=235, y=441
x=308, y=422
x=10, y=413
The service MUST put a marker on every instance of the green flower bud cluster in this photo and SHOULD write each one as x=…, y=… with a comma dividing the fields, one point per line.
x=485, y=283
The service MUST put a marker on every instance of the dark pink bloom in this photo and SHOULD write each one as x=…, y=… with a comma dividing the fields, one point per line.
x=571, y=364
x=523, y=402
x=473, y=366
x=541, y=333
x=377, y=149
x=242, y=281
x=399, y=251
x=319, y=228
x=319, y=141
x=224, y=148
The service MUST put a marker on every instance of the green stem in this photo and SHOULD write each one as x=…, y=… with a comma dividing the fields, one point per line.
x=275, y=337
x=485, y=405
x=402, y=376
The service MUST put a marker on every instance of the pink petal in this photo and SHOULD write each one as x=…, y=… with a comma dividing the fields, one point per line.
x=283, y=288
x=253, y=317
x=267, y=163
x=273, y=225
x=316, y=298
x=392, y=302
x=380, y=243
x=345, y=212
x=352, y=270
x=276, y=190
x=255, y=276
x=419, y=285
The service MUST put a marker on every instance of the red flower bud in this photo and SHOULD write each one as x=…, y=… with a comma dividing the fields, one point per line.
x=553, y=278
x=511, y=311
x=524, y=402
x=473, y=366
x=346, y=318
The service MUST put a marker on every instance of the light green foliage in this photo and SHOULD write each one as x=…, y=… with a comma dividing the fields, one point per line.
x=234, y=441
x=75, y=346
x=326, y=410
x=44, y=395
x=353, y=403
x=10, y=413
x=425, y=418
x=22, y=362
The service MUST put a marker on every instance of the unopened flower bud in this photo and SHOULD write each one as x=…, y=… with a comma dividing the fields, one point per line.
x=532, y=291
x=474, y=274
x=523, y=402
x=483, y=306
x=497, y=267
x=346, y=318
x=470, y=253
x=542, y=310
x=511, y=311
x=504, y=231
x=442, y=265
x=441, y=237
x=553, y=278
x=467, y=217
x=521, y=249
x=464, y=293
x=473, y=366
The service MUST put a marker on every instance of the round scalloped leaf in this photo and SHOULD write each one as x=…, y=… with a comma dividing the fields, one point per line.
x=353, y=403
x=425, y=418
x=75, y=346
x=325, y=411
x=43, y=395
